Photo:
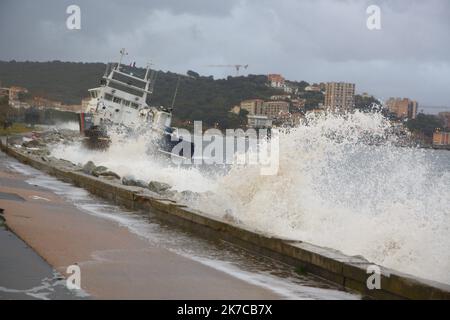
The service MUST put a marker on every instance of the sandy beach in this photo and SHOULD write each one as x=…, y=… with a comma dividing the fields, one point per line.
x=115, y=263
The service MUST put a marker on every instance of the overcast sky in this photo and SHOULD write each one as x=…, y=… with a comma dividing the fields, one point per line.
x=312, y=40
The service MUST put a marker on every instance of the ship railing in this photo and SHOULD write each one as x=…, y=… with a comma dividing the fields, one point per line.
x=129, y=86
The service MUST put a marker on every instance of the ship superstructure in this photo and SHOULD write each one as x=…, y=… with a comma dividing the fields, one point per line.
x=120, y=103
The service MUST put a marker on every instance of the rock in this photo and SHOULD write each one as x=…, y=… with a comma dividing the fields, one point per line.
x=141, y=183
x=109, y=178
x=108, y=174
x=63, y=162
x=98, y=170
x=32, y=144
x=158, y=187
x=129, y=181
x=229, y=217
x=15, y=140
x=169, y=193
x=189, y=195
x=40, y=152
x=89, y=167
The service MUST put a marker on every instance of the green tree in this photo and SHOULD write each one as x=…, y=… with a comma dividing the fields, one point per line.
x=424, y=123
x=312, y=99
x=365, y=103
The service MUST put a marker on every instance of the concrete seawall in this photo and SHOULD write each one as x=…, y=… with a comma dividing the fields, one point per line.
x=349, y=272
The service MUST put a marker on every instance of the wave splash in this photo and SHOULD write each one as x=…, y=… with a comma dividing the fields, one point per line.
x=343, y=182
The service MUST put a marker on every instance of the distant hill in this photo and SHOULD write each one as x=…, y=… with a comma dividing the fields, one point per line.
x=199, y=98
x=62, y=81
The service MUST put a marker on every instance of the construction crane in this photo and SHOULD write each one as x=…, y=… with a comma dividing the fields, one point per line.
x=236, y=66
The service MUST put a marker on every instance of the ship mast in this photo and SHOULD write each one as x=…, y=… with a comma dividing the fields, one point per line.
x=122, y=53
x=147, y=85
x=148, y=70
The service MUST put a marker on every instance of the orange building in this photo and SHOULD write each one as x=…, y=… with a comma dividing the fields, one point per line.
x=441, y=138
x=276, y=80
x=402, y=108
x=339, y=96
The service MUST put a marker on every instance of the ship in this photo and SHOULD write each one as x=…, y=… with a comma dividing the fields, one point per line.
x=120, y=104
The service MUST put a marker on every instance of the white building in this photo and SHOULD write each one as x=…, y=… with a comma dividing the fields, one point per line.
x=258, y=121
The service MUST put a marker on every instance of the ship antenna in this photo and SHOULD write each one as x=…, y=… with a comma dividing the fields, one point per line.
x=122, y=53
x=149, y=64
x=107, y=69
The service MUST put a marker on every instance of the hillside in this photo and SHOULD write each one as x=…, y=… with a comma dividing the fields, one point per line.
x=199, y=98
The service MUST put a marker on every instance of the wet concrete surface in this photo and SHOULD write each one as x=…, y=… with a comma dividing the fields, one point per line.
x=25, y=275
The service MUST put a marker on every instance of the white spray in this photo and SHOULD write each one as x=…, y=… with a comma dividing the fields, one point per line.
x=342, y=183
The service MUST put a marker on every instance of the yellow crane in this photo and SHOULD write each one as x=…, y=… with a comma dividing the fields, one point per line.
x=236, y=66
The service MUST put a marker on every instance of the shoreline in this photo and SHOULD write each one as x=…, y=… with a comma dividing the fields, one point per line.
x=345, y=271
x=115, y=264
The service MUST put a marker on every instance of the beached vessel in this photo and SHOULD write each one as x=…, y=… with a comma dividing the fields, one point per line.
x=120, y=104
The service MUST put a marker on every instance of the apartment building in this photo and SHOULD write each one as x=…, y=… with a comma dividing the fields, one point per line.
x=273, y=109
x=403, y=108
x=441, y=138
x=252, y=105
x=340, y=96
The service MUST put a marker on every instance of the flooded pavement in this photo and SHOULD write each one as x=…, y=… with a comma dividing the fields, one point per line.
x=25, y=275
x=245, y=267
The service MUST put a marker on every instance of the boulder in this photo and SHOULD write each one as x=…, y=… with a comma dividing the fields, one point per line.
x=129, y=181
x=98, y=170
x=14, y=140
x=229, y=217
x=109, y=178
x=169, y=194
x=63, y=162
x=189, y=195
x=108, y=174
x=38, y=152
x=89, y=167
x=141, y=183
x=158, y=187
x=32, y=144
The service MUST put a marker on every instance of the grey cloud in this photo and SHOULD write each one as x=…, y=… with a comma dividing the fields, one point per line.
x=314, y=40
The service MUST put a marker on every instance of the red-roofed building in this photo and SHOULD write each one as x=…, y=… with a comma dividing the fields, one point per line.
x=276, y=81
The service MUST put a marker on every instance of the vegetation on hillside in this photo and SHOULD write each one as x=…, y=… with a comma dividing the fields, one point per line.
x=198, y=98
x=425, y=124
x=61, y=81
x=364, y=103
x=312, y=99
x=12, y=117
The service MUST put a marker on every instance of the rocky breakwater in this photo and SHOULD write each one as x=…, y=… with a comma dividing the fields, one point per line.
x=36, y=145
